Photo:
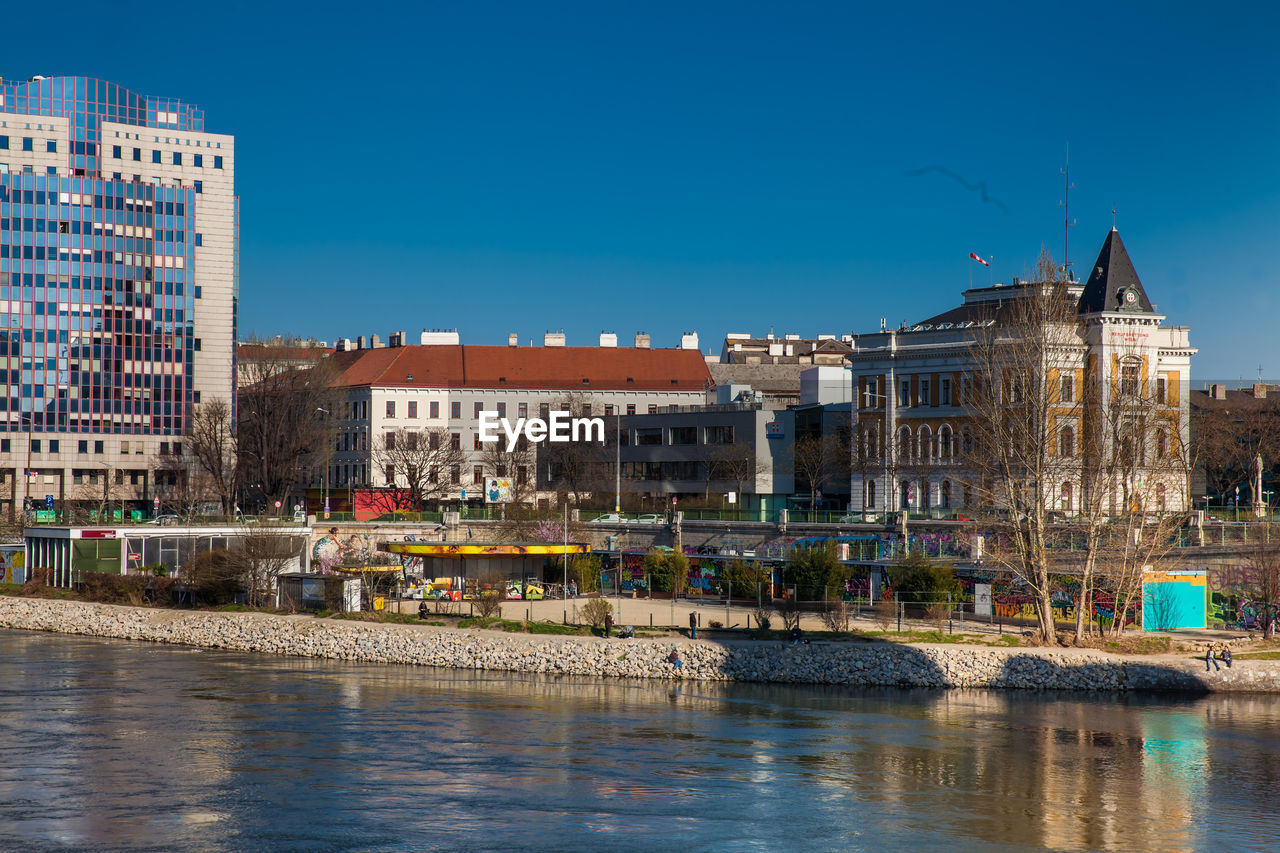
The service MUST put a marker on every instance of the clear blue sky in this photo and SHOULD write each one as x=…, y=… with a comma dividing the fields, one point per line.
x=712, y=167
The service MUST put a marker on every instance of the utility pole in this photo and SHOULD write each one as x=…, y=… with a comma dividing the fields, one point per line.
x=1067, y=222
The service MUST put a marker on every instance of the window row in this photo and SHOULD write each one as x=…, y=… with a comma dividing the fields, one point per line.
x=176, y=157
x=29, y=144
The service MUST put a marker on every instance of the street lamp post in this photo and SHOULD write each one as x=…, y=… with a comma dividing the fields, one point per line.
x=326, y=467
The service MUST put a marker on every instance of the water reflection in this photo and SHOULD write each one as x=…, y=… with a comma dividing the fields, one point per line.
x=113, y=744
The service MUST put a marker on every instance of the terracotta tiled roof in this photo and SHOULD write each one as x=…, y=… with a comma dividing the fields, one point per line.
x=558, y=368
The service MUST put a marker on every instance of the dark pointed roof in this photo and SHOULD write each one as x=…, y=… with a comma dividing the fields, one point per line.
x=1112, y=275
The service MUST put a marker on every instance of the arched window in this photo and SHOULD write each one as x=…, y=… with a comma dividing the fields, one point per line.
x=871, y=494
x=1067, y=442
x=946, y=494
x=925, y=445
x=904, y=443
x=945, y=449
x=1130, y=376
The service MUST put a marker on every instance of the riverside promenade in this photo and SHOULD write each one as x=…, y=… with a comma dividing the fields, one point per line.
x=853, y=662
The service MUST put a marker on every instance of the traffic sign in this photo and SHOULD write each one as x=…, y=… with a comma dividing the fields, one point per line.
x=48, y=501
x=277, y=504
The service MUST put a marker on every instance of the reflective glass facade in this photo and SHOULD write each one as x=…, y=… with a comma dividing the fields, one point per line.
x=95, y=304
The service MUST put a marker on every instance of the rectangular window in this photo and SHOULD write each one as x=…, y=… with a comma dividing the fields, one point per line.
x=966, y=390
x=389, y=472
x=477, y=475
x=475, y=442
x=872, y=397
x=1129, y=379
x=924, y=392
x=648, y=437
x=413, y=409
x=4, y=143
x=199, y=185
x=137, y=154
x=1161, y=393
x=476, y=412
x=653, y=409
x=199, y=239
x=544, y=411
x=35, y=445
x=502, y=410
x=4, y=445
x=196, y=344
x=455, y=474
x=51, y=146
x=97, y=447
x=391, y=408
x=217, y=161
x=115, y=152
x=904, y=393
x=390, y=441
x=608, y=411
x=631, y=408
x=684, y=435
x=455, y=410
x=53, y=445
x=1067, y=392
x=177, y=158
x=435, y=410
x=433, y=440
x=944, y=392
x=522, y=410
x=455, y=441
x=82, y=447
x=28, y=144
x=719, y=435
x=197, y=160
x=155, y=156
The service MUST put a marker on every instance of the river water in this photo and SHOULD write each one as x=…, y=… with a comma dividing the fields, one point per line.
x=107, y=744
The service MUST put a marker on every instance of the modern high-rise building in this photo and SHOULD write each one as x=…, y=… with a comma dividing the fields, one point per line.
x=119, y=230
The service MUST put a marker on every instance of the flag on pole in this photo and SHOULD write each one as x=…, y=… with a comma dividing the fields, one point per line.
x=979, y=260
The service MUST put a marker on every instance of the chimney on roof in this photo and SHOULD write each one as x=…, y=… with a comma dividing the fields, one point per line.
x=1218, y=391
x=395, y=339
x=689, y=340
x=553, y=339
x=360, y=342
x=608, y=339
x=341, y=344
x=513, y=340
x=375, y=342
x=642, y=340
x=1259, y=391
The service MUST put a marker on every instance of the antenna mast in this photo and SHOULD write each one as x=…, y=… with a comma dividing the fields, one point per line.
x=1067, y=221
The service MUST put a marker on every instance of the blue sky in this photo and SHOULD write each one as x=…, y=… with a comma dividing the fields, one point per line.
x=714, y=167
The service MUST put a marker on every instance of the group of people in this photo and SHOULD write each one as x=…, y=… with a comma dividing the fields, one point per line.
x=1223, y=653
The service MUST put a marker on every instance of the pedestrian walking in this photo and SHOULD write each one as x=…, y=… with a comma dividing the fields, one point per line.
x=693, y=626
x=1210, y=659
x=608, y=623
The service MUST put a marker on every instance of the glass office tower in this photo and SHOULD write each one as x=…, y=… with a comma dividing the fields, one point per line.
x=118, y=291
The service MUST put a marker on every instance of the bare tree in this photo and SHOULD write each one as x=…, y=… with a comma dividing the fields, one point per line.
x=1228, y=435
x=1013, y=439
x=735, y=463
x=211, y=441
x=416, y=466
x=284, y=426
x=819, y=460
x=259, y=556
x=516, y=464
x=1264, y=583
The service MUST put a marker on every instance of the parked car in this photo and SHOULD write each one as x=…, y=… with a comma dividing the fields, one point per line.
x=650, y=518
x=165, y=520
x=607, y=518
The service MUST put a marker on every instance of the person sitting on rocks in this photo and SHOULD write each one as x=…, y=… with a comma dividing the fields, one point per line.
x=1210, y=659
x=423, y=611
x=674, y=660
x=1225, y=656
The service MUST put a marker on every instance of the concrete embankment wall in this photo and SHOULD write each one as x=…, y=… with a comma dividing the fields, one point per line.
x=852, y=663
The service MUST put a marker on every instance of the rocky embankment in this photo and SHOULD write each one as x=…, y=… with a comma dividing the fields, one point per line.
x=852, y=663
